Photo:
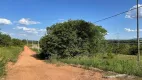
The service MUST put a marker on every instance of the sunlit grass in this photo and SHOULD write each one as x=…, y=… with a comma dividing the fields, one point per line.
x=126, y=64
x=8, y=54
x=120, y=63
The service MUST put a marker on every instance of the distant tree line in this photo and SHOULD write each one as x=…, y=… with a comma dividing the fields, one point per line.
x=129, y=41
x=6, y=40
x=128, y=47
x=32, y=41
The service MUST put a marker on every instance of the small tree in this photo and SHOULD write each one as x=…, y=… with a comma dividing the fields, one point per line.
x=72, y=38
x=5, y=40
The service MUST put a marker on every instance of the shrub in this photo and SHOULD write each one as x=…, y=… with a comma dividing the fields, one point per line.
x=17, y=42
x=5, y=40
x=72, y=38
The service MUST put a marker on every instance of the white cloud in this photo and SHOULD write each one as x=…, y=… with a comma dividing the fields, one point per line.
x=131, y=30
x=30, y=30
x=133, y=13
x=3, y=32
x=27, y=21
x=4, y=21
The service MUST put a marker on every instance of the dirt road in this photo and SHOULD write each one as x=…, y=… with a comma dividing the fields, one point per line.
x=29, y=68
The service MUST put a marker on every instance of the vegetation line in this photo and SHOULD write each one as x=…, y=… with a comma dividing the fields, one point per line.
x=9, y=51
x=81, y=42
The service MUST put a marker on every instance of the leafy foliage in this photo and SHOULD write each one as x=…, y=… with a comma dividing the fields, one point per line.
x=17, y=42
x=124, y=48
x=71, y=38
x=7, y=50
x=6, y=40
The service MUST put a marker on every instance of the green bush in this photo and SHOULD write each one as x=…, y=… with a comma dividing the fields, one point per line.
x=72, y=38
x=17, y=42
x=5, y=40
x=122, y=48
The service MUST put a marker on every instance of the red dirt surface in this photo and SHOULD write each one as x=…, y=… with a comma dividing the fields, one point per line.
x=29, y=68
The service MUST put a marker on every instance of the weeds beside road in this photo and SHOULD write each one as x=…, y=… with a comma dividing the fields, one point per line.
x=125, y=64
x=8, y=54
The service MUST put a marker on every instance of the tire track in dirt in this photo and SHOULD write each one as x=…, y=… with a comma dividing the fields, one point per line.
x=29, y=68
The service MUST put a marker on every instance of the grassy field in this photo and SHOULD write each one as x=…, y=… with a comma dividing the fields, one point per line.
x=8, y=54
x=125, y=64
x=120, y=63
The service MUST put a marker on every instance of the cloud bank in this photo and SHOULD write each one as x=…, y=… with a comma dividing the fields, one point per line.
x=27, y=21
x=4, y=21
x=30, y=30
x=131, y=30
x=133, y=13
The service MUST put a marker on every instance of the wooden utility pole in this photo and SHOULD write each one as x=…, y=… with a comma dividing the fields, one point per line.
x=27, y=42
x=32, y=44
x=38, y=46
x=138, y=41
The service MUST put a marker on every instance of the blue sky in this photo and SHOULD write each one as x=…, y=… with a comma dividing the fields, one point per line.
x=28, y=19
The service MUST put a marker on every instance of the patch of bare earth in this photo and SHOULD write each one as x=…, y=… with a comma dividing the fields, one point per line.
x=29, y=68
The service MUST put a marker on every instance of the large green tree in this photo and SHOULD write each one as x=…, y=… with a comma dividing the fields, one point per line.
x=71, y=38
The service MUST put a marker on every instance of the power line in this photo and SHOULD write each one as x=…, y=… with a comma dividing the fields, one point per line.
x=115, y=15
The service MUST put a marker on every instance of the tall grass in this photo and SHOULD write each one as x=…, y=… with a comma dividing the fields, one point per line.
x=117, y=63
x=8, y=54
x=2, y=67
x=120, y=63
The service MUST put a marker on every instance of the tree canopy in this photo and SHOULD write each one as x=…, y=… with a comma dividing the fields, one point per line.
x=6, y=40
x=71, y=38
